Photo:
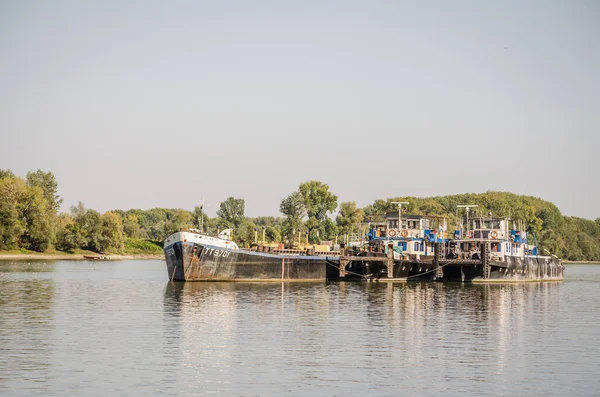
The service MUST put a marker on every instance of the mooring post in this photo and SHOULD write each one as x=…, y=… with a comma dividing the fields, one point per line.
x=343, y=264
x=390, y=261
x=485, y=262
x=437, y=256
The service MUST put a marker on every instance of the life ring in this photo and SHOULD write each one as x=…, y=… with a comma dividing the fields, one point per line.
x=404, y=233
x=494, y=234
x=392, y=233
x=470, y=234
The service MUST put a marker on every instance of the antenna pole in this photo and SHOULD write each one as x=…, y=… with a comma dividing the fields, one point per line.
x=467, y=207
x=400, y=203
x=202, y=216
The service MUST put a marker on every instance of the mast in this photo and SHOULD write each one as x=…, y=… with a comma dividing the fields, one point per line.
x=400, y=204
x=202, y=216
x=467, y=207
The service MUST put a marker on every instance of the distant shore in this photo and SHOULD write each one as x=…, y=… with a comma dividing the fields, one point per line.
x=582, y=262
x=75, y=257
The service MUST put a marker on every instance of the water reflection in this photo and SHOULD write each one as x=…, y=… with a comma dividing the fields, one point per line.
x=103, y=328
x=26, y=341
x=355, y=326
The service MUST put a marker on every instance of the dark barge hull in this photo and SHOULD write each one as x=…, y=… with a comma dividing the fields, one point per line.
x=408, y=269
x=374, y=266
x=187, y=261
x=512, y=269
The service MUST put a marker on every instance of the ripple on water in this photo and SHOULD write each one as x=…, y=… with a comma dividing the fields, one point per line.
x=100, y=329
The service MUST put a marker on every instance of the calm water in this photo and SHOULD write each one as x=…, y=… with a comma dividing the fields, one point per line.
x=120, y=328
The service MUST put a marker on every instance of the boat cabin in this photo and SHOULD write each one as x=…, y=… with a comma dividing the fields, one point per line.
x=503, y=241
x=414, y=235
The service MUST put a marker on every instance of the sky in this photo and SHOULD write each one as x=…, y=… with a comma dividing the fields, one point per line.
x=143, y=104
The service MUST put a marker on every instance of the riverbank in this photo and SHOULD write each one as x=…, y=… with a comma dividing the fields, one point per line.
x=581, y=262
x=75, y=257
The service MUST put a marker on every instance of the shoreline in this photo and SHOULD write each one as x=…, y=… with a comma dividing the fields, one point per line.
x=77, y=257
x=116, y=257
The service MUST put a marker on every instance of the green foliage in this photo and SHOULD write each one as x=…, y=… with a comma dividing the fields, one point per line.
x=314, y=200
x=244, y=234
x=317, y=199
x=350, y=217
x=138, y=246
x=111, y=233
x=232, y=211
x=176, y=220
x=33, y=209
x=6, y=174
x=318, y=202
x=131, y=226
x=47, y=182
x=293, y=208
x=273, y=234
x=69, y=238
x=29, y=219
x=12, y=226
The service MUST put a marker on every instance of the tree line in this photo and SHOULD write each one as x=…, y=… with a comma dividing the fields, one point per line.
x=30, y=219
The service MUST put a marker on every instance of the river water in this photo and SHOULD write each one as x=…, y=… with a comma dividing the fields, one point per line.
x=120, y=328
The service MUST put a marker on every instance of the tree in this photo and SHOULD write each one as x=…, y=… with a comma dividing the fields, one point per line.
x=293, y=208
x=12, y=224
x=69, y=238
x=111, y=233
x=90, y=225
x=47, y=182
x=244, y=233
x=232, y=211
x=349, y=217
x=317, y=198
x=318, y=202
x=131, y=226
x=178, y=219
x=272, y=234
x=38, y=222
x=6, y=174
x=376, y=212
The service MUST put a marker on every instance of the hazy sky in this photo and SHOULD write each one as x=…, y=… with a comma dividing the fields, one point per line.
x=141, y=104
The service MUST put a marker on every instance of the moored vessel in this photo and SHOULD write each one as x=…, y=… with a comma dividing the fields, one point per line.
x=505, y=254
x=193, y=256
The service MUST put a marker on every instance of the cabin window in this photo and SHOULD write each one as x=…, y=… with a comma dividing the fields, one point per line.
x=402, y=245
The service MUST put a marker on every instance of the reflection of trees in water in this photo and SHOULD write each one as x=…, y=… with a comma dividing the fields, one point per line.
x=27, y=327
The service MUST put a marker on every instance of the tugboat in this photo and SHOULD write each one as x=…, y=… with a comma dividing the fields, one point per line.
x=411, y=238
x=511, y=254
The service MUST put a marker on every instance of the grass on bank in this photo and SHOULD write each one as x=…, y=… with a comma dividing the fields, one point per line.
x=137, y=246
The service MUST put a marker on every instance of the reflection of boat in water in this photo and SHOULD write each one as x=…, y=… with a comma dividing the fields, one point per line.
x=193, y=256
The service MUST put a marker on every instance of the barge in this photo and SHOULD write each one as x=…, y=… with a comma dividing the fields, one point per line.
x=193, y=256
x=486, y=250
